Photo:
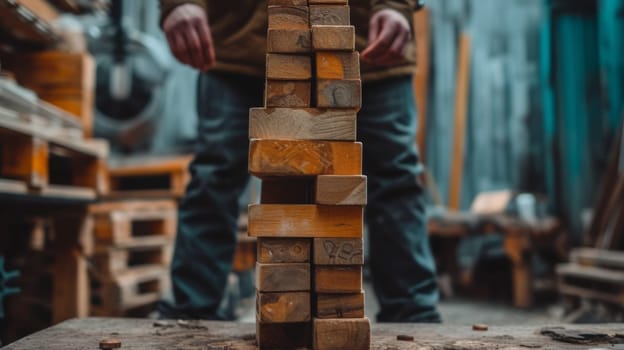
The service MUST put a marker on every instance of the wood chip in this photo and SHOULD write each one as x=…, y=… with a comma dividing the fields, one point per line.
x=480, y=327
x=404, y=337
x=110, y=344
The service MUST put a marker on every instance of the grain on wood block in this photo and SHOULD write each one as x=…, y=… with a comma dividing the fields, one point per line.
x=337, y=279
x=295, y=190
x=339, y=305
x=341, y=190
x=329, y=15
x=282, y=277
x=339, y=93
x=311, y=221
x=337, y=65
x=335, y=2
x=288, y=67
x=289, y=17
x=288, y=2
x=284, y=250
x=289, y=40
x=341, y=38
x=288, y=93
x=284, y=307
x=302, y=124
x=304, y=158
x=271, y=336
x=340, y=334
x=338, y=251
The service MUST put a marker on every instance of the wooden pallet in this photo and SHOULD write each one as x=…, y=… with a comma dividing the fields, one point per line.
x=593, y=283
x=117, y=259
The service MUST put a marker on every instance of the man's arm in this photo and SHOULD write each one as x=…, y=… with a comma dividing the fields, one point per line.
x=185, y=23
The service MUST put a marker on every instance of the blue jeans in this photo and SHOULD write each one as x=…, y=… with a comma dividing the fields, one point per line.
x=401, y=263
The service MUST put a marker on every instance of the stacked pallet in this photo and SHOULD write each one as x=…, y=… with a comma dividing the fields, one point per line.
x=310, y=220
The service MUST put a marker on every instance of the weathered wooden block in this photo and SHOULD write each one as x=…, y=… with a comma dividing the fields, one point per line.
x=282, y=277
x=338, y=2
x=284, y=307
x=292, y=94
x=341, y=38
x=337, y=65
x=340, y=334
x=338, y=251
x=288, y=17
x=284, y=250
x=271, y=336
x=288, y=2
x=289, y=40
x=312, y=221
x=339, y=93
x=341, y=190
x=330, y=15
x=304, y=158
x=288, y=67
x=337, y=279
x=339, y=305
x=302, y=124
x=297, y=190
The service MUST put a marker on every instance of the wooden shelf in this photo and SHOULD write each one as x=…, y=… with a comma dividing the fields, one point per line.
x=24, y=25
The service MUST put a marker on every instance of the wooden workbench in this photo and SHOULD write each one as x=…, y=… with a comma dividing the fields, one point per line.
x=191, y=335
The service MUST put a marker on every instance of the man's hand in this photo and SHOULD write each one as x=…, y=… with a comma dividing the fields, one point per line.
x=189, y=37
x=388, y=38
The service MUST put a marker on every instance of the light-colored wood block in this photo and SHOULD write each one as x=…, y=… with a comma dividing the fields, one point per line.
x=337, y=65
x=339, y=305
x=291, y=94
x=340, y=38
x=283, y=307
x=338, y=251
x=288, y=2
x=337, y=279
x=341, y=190
x=289, y=40
x=297, y=190
x=283, y=277
x=304, y=158
x=340, y=334
x=312, y=221
x=339, y=93
x=302, y=124
x=284, y=250
x=271, y=336
x=288, y=67
x=330, y=15
x=288, y=17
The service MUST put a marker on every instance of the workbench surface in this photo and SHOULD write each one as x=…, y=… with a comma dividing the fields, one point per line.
x=195, y=335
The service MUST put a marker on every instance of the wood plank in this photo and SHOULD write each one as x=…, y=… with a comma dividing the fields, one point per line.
x=339, y=93
x=284, y=250
x=283, y=277
x=284, y=307
x=422, y=37
x=591, y=274
x=339, y=38
x=25, y=158
x=298, y=190
x=270, y=220
x=330, y=15
x=289, y=40
x=304, y=158
x=271, y=336
x=288, y=67
x=288, y=2
x=340, y=334
x=341, y=190
x=337, y=65
x=288, y=17
x=598, y=258
x=339, y=305
x=292, y=94
x=337, y=279
x=338, y=251
x=335, y=2
x=303, y=124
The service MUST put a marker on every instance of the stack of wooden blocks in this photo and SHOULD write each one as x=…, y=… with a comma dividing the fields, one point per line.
x=310, y=221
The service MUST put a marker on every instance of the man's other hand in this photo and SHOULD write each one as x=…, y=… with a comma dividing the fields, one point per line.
x=388, y=38
x=189, y=37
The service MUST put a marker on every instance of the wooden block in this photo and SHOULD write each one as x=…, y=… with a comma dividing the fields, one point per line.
x=330, y=15
x=340, y=38
x=338, y=251
x=270, y=220
x=287, y=191
x=288, y=2
x=284, y=250
x=289, y=17
x=291, y=94
x=337, y=65
x=341, y=190
x=271, y=336
x=283, y=307
x=337, y=279
x=304, y=158
x=335, y=2
x=339, y=305
x=282, y=277
x=302, y=124
x=340, y=334
x=289, y=40
x=288, y=67
x=24, y=158
x=339, y=93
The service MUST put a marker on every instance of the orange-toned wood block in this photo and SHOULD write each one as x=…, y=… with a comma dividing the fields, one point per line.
x=289, y=17
x=341, y=190
x=339, y=305
x=302, y=124
x=284, y=250
x=338, y=251
x=291, y=94
x=337, y=279
x=283, y=277
x=284, y=307
x=339, y=38
x=286, y=40
x=288, y=67
x=329, y=15
x=337, y=65
x=340, y=334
